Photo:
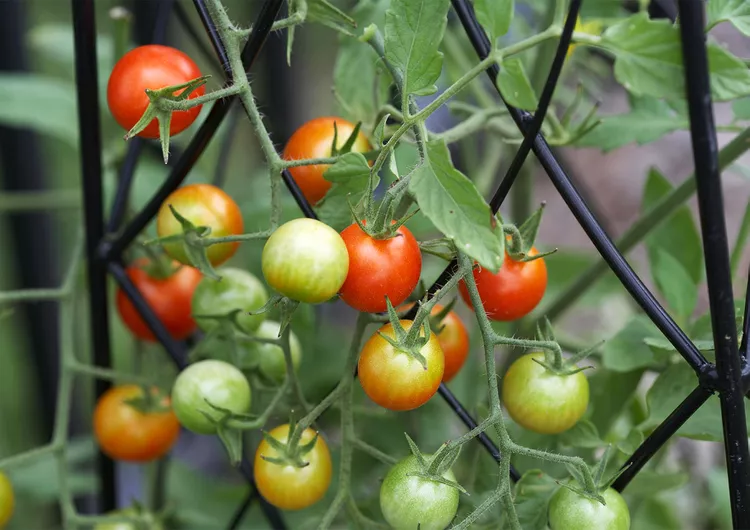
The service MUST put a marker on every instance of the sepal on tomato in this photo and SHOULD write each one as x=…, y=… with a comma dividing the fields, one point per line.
x=286, y=305
x=433, y=467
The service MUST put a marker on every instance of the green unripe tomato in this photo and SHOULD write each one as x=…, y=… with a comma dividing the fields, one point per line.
x=217, y=382
x=270, y=357
x=570, y=511
x=237, y=289
x=410, y=502
x=152, y=524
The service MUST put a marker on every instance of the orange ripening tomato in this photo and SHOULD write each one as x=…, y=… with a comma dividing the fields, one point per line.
x=125, y=433
x=170, y=298
x=202, y=205
x=513, y=292
x=314, y=139
x=379, y=268
x=152, y=66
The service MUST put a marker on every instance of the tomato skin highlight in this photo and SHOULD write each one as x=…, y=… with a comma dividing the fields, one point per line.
x=132, y=512
x=7, y=500
x=410, y=502
x=379, y=268
x=393, y=379
x=127, y=434
x=289, y=487
x=513, y=292
x=151, y=66
x=202, y=205
x=305, y=260
x=237, y=289
x=217, y=382
x=169, y=298
x=314, y=140
x=570, y=511
x=541, y=401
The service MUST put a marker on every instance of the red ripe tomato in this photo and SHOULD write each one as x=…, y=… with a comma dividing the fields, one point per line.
x=393, y=379
x=379, y=268
x=513, y=292
x=202, y=205
x=169, y=297
x=314, y=140
x=152, y=66
x=125, y=433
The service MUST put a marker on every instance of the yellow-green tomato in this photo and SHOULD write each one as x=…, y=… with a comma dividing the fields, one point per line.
x=131, y=512
x=237, y=289
x=305, y=260
x=7, y=500
x=270, y=357
x=212, y=381
x=410, y=502
x=570, y=511
x=541, y=401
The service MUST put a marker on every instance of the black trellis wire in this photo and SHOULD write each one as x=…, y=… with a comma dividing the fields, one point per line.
x=728, y=377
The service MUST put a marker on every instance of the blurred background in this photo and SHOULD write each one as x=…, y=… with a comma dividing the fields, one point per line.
x=39, y=150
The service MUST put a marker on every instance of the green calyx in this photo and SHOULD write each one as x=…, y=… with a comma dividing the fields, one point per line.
x=409, y=342
x=291, y=453
x=433, y=467
x=347, y=147
x=520, y=240
x=553, y=360
x=592, y=485
x=149, y=402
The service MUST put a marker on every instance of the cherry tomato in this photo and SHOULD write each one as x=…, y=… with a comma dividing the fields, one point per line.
x=453, y=339
x=212, y=381
x=153, y=524
x=202, y=205
x=314, y=140
x=237, y=289
x=168, y=297
x=513, y=292
x=380, y=268
x=152, y=66
x=7, y=500
x=410, y=502
x=125, y=433
x=305, y=260
x=570, y=511
x=270, y=358
x=542, y=401
x=392, y=378
x=289, y=487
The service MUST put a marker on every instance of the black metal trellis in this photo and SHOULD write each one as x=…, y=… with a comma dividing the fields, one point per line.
x=727, y=377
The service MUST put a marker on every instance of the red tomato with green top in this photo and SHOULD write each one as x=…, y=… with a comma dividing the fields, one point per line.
x=151, y=66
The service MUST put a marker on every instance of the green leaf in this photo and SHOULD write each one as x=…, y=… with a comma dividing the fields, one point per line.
x=413, y=31
x=359, y=57
x=741, y=108
x=349, y=176
x=610, y=393
x=632, y=441
x=721, y=506
x=664, y=344
x=456, y=208
x=583, y=434
x=515, y=86
x=648, y=60
x=532, y=495
x=55, y=42
x=674, y=282
x=43, y=104
x=735, y=11
x=494, y=16
x=656, y=514
x=648, y=483
x=323, y=12
x=677, y=235
x=627, y=350
x=669, y=390
x=648, y=120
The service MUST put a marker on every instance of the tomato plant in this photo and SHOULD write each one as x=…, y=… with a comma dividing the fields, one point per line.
x=314, y=139
x=570, y=511
x=379, y=268
x=153, y=523
x=305, y=260
x=204, y=205
x=542, y=401
x=408, y=501
x=7, y=500
x=514, y=291
x=285, y=485
x=168, y=296
x=237, y=290
x=207, y=383
x=126, y=433
x=393, y=379
x=270, y=357
x=151, y=66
